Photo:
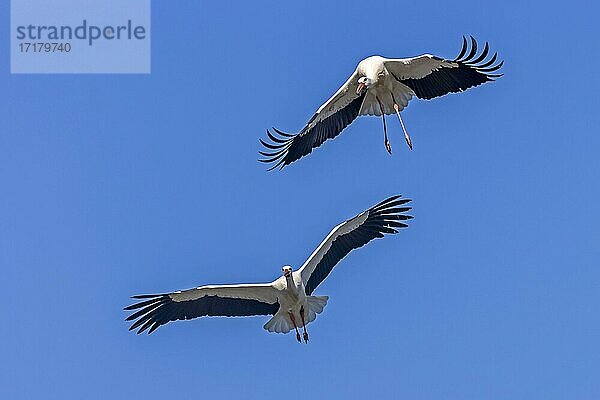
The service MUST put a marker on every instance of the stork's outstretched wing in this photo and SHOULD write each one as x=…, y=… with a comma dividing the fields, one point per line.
x=378, y=220
x=429, y=76
x=329, y=120
x=218, y=300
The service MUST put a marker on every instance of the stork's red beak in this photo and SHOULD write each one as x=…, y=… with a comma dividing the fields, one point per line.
x=360, y=88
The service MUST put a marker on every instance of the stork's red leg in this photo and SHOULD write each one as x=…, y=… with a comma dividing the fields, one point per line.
x=388, y=146
x=305, y=335
x=295, y=327
x=406, y=136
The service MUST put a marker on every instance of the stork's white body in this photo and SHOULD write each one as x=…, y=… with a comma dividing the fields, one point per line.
x=374, y=69
x=382, y=87
x=291, y=296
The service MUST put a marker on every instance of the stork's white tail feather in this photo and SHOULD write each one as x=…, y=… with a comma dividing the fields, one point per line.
x=316, y=304
x=281, y=322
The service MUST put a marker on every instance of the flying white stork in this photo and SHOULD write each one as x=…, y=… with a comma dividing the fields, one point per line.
x=289, y=298
x=381, y=86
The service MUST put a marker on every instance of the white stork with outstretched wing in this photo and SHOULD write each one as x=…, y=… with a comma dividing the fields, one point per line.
x=381, y=86
x=289, y=298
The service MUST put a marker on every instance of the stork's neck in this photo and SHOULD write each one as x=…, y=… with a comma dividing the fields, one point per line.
x=291, y=285
x=289, y=280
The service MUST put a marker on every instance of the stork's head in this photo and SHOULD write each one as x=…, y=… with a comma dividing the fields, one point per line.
x=287, y=271
x=363, y=83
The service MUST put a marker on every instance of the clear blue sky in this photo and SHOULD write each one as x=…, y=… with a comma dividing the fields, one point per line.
x=114, y=185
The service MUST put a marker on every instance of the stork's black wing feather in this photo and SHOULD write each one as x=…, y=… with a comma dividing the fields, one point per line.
x=470, y=72
x=284, y=148
x=161, y=308
x=382, y=218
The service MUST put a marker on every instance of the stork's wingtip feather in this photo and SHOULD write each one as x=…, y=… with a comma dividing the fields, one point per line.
x=154, y=327
x=463, y=49
x=276, y=166
x=289, y=135
x=480, y=63
x=145, y=296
